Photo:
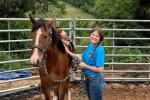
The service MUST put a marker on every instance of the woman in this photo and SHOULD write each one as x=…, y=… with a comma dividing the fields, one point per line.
x=92, y=65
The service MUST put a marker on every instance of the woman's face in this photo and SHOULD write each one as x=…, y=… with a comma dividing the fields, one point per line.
x=95, y=38
x=63, y=35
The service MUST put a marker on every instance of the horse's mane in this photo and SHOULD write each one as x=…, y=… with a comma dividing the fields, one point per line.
x=56, y=40
x=55, y=35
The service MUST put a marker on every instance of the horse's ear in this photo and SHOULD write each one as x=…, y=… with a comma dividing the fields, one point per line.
x=50, y=22
x=32, y=19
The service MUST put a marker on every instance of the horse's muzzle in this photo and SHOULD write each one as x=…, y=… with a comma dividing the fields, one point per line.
x=35, y=63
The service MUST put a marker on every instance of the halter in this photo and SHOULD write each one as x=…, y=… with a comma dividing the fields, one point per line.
x=44, y=50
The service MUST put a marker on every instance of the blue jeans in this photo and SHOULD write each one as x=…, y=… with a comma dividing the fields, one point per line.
x=95, y=87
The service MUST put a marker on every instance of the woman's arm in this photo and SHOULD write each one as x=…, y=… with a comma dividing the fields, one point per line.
x=94, y=69
x=72, y=54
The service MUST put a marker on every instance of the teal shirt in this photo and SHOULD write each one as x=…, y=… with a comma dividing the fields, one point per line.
x=97, y=60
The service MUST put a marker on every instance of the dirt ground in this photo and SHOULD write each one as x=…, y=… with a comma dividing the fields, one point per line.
x=127, y=92
x=113, y=91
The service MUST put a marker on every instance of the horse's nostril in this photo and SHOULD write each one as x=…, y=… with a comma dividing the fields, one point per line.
x=38, y=61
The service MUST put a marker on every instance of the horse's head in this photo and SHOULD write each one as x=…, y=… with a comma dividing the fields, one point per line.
x=41, y=38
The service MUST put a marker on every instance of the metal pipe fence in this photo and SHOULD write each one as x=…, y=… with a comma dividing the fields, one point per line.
x=111, y=65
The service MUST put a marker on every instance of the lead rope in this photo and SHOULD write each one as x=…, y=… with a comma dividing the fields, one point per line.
x=82, y=89
x=82, y=84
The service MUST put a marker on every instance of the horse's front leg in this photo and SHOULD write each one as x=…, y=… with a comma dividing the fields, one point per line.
x=61, y=95
x=54, y=94
x=46, y=93
x=62, y=91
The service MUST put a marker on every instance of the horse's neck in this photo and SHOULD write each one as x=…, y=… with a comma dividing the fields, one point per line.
x=57, y=61
x=53, y=54
x=54, y=59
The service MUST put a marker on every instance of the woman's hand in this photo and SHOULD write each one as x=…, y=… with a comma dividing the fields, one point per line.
x=72, y=54
x=82, y=65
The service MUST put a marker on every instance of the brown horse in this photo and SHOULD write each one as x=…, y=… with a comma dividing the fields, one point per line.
x=48, y=53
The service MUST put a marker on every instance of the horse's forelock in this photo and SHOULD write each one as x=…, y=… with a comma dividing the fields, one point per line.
x=38, y=23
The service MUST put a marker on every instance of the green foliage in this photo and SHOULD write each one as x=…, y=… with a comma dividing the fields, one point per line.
x=7, y=57
x=86, y=5
x=129, y=59
x=14, y=8
x=74, y=12
x=116, y=9
x=53, y=11
x=18, y=8
x=4, y=56
x=16, y=36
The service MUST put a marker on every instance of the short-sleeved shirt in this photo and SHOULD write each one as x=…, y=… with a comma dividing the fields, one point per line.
x=97, y=60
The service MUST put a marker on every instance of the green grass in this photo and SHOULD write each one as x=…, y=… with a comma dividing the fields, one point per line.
x=73, y=12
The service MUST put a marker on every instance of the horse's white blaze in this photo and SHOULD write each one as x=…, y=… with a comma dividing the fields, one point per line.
x=35, y=56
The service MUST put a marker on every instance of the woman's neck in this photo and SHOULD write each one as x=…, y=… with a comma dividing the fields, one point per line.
x=95, y=45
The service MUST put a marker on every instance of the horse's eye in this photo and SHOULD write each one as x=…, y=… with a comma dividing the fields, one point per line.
x=45, y=37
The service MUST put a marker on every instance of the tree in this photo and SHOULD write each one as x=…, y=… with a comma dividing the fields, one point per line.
x=18, y=8
x=14, y=8
x=115, y=9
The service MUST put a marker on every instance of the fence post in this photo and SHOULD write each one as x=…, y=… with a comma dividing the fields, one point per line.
x=71, y=31
x=8, y=23
x=74, y=30
x=72, y=35
x=113, y=50
x=149, y=69
x=9, y=49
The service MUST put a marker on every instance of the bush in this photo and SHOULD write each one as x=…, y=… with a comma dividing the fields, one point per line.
x=129, y=59
x=7, y=57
